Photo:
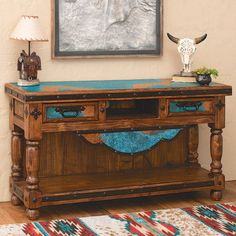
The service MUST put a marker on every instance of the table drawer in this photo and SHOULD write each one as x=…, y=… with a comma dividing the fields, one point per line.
x=201, y=106
x=70, y=112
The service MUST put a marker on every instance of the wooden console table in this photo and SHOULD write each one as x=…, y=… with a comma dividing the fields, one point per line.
x=53, y=163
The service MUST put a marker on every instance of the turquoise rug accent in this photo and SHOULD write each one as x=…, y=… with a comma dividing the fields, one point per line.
x=211, y=220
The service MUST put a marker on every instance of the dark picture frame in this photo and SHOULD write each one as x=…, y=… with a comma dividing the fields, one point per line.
x=135, y=30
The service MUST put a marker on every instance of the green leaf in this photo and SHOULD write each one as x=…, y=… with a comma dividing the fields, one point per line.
x=204, y=70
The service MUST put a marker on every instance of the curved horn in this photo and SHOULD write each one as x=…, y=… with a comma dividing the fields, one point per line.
x=173, y=39
x=200, y=39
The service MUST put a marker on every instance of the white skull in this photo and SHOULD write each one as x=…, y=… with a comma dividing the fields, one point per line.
x=186, y=49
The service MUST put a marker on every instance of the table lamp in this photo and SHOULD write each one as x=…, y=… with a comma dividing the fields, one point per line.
x=28, y=29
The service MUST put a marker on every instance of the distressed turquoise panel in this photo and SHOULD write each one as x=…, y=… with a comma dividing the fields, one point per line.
x=175, y=109
x=106, y=84
x=51, y=113
x=136, y=141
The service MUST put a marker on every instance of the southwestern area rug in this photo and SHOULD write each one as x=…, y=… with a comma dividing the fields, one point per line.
x=218, y=219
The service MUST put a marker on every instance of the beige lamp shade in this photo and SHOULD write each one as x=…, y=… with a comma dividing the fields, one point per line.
x=28, y=29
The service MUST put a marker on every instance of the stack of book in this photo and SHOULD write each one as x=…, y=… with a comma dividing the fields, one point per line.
x=179, y=78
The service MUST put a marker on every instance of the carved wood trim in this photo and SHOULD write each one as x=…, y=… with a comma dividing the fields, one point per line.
x=36, y=113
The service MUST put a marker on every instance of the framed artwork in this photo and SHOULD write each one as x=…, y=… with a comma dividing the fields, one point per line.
x=95, y=28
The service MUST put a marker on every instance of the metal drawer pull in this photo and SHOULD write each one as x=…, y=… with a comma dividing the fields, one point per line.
x=70, y=112
x=189, y=106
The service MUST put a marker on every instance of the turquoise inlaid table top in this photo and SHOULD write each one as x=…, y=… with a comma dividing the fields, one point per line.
x=62, y=86
x=66, y=90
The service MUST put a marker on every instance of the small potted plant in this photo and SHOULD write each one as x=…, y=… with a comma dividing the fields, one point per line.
x=204, y=75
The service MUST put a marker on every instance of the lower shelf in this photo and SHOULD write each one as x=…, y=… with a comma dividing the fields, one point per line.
x=81, y=188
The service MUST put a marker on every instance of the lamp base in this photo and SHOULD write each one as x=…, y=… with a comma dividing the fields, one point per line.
x=28, y=66
x=23, y=82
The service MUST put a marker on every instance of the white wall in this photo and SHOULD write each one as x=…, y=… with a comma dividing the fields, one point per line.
x=189, y=18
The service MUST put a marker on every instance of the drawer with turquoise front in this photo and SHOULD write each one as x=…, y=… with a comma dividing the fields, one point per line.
x=201, y=106
x=67, y=112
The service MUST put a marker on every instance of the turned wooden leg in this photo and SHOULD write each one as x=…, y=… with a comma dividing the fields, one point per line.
x=32, y=188
x=32, y=164
x=192, y=159
x=32, y=214
x=15, y=201
x=216, y=166
x=216, y=151
x=16, y=168
x=216, y=195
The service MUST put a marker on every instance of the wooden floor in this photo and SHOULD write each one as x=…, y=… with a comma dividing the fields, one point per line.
x=10, y=214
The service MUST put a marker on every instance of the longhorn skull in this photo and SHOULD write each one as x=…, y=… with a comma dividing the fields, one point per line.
x=186, y=48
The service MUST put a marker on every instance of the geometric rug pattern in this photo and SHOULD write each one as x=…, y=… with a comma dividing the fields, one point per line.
x=218, y=219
